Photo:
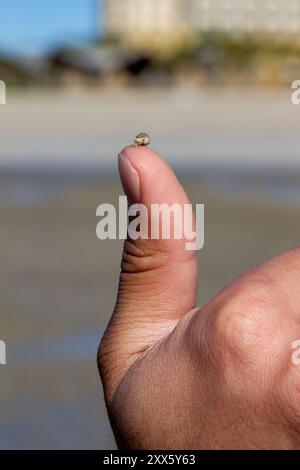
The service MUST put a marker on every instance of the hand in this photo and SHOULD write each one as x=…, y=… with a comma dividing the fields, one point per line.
x=219, y=377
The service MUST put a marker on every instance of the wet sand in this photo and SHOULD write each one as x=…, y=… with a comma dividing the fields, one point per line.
x=58, y=285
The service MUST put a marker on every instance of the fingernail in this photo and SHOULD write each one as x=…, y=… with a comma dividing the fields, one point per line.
x=130, y=179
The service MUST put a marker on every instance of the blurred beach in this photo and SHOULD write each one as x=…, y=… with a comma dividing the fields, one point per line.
x=79, y=130
x=236, y=151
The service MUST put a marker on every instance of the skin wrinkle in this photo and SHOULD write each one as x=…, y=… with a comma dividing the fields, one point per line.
x=134, y=362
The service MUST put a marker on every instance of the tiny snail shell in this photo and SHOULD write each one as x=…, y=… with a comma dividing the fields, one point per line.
x=142, y=140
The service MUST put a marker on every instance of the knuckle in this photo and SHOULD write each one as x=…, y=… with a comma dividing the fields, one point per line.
x=242, y=321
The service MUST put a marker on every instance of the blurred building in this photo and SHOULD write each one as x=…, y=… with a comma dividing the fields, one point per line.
x=266, y=16
x=131, y=17
x=142, y=16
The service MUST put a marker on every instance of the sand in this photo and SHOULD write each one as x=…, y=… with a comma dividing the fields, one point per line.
x=86, y=129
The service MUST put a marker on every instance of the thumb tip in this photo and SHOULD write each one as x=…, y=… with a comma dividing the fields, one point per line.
x=130, y=178
x=137, y=165
x=147, y=178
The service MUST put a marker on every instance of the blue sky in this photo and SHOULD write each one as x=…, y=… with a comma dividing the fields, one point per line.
x=32, y=26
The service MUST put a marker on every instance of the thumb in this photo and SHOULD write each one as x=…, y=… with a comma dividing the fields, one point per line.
x=158, y=276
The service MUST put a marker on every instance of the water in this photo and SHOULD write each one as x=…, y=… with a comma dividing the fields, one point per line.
x=277, y=185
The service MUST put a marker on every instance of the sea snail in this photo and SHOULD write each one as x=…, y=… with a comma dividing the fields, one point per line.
x=142, y=140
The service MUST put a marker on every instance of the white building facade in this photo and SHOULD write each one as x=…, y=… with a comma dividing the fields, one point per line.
x=282, y=16
x=171, y=16
x=142, y=16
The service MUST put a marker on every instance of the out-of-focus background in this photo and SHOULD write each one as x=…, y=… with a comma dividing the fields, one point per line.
x=211, y=82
